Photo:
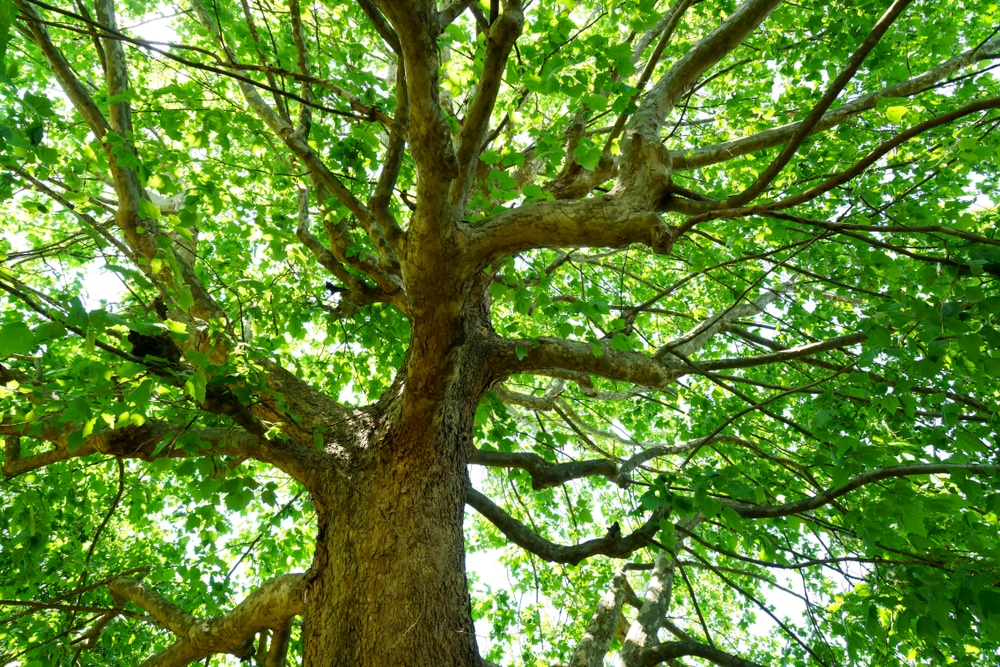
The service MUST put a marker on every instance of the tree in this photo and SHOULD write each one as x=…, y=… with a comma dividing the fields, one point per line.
x=703, y=295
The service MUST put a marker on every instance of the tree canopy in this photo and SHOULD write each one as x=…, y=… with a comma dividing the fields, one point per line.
x=675, y=309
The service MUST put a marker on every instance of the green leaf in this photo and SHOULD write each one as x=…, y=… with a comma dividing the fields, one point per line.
x=148, y=210
x=49, y=330
x=989, y=601
x=589, y=154
x=620, y=341
x=196, y=385
x=896, y=113
x=15, y=338
x=185, y=299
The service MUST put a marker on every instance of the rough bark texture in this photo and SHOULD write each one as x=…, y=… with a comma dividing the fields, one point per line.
x=387, y=585
x=401, y=598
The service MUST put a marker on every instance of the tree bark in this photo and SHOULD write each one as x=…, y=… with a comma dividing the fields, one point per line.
x=387, y=585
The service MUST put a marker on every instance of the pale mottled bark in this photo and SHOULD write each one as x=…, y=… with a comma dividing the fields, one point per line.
x=593, y=646
x=656, y=603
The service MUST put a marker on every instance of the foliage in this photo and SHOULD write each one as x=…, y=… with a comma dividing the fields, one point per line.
x=722, y=278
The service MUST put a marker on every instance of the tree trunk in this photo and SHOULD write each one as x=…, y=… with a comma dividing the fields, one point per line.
x=388, y=583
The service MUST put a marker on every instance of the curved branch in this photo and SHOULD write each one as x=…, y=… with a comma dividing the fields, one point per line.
x=272, y=605
x=611, y=544
x=655, y=655
x=144, y=443
x=748, y=511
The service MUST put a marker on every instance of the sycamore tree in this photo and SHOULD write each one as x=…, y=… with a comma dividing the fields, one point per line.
x=674, y=309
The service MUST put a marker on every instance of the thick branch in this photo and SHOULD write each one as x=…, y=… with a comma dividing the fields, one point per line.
x=544, y=355
x=382, y=26
x=127, y=186
x=594, y=644
x=417, y=26
x=68, y=81
x=656, y=604
x=662, y=97
x=141, y=442
x=392, y=161
x=271, y=606
x=140, y=233
x=277, y=652
x=790, y=354
x=448, y=15
x=610, y=545
x=593, y=223
x=302, y=52
x=543, y=473
x=503, y=33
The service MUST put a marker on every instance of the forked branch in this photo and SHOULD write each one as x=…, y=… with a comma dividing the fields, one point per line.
x=272, y=606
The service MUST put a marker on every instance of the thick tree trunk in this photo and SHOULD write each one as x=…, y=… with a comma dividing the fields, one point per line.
x=388, y=583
